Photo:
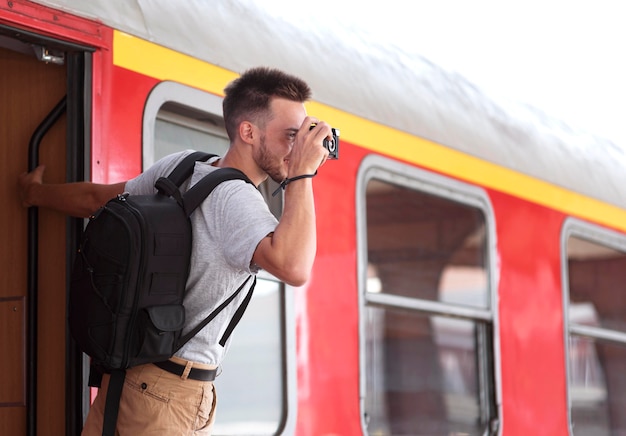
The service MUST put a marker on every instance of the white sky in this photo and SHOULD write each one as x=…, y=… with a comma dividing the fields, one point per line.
x=565, y=58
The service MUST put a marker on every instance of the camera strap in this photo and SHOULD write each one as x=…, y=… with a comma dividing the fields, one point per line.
x=285, y=182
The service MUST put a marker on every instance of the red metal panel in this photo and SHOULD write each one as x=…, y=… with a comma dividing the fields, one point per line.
x=531, y=318
x=328, y=333
x=117, y=136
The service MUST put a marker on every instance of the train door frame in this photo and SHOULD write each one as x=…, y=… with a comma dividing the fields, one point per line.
x=420, y=180
x=78, y=164
x=78, y=61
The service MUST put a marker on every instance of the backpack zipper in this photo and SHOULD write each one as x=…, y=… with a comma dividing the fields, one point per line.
x=133, y=319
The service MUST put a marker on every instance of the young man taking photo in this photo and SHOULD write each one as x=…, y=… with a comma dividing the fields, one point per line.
x=235, y=235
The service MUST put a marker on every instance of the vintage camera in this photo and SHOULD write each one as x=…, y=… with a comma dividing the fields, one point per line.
x=332, y=145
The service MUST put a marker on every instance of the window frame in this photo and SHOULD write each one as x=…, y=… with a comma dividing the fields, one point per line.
x=574, y=227
x=168, y=92
x=173, y=92
x=408, y=176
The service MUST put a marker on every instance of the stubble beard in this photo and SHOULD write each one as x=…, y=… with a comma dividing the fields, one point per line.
x=269, y=163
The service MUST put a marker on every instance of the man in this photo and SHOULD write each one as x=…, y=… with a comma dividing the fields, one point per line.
x=234, y=235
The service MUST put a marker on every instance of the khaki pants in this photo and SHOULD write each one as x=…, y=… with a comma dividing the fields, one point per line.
x=156, y=402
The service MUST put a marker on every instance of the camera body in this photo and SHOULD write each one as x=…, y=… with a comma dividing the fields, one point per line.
x=332, y=145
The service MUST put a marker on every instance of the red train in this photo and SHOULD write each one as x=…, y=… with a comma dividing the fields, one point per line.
x=470, y=263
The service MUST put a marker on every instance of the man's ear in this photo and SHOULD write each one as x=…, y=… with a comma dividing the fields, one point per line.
x=247, y=132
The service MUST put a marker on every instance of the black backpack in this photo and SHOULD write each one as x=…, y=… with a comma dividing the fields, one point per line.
x=129, y=276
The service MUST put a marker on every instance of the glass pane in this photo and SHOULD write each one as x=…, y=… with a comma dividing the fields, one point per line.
x=587, y=389
x=250, y=388
x=171, y=137
x=597, y=277
x=421, y=375
x=426, y=247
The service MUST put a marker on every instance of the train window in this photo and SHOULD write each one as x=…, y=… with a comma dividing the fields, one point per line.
x=178, y=117
x=253, y=399
x=174, y=132
x=594, y=273
x=427, y=312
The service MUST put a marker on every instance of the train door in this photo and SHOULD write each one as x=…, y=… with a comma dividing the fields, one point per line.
x=42, y=120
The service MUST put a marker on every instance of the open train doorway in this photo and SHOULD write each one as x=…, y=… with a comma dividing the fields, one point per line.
x=44, y=119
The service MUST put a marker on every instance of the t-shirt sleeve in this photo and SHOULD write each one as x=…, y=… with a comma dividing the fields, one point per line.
x=144, y=183
x=243, y=220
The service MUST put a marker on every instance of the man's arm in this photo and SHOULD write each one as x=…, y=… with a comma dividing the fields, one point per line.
x=289, y=252
x=80, y=199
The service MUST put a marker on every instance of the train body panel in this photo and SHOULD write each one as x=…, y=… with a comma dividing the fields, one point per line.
x=530, y=309
x=458, y=241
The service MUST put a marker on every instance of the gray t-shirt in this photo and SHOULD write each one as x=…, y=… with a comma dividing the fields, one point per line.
x=227, y=227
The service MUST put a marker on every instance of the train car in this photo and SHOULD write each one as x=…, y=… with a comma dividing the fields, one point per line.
x=471, y=255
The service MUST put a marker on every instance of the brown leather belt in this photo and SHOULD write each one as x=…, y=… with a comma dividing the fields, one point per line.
x=194, y=373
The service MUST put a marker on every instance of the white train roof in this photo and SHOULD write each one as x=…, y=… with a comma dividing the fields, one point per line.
x=349, y=71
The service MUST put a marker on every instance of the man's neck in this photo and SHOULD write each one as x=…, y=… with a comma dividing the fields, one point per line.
x=233, y=158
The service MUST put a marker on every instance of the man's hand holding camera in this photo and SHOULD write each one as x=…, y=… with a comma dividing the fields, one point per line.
x=310, y=151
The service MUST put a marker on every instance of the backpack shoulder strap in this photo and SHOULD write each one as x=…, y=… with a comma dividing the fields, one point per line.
x=185, y=167
x=169, y=185
x=112, y=403
x=233, y=322
x=198, y=192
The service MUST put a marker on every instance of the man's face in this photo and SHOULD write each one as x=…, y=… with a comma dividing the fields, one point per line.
x=277, y=139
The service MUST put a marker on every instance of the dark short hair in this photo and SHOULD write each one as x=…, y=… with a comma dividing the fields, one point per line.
x=249, y=96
